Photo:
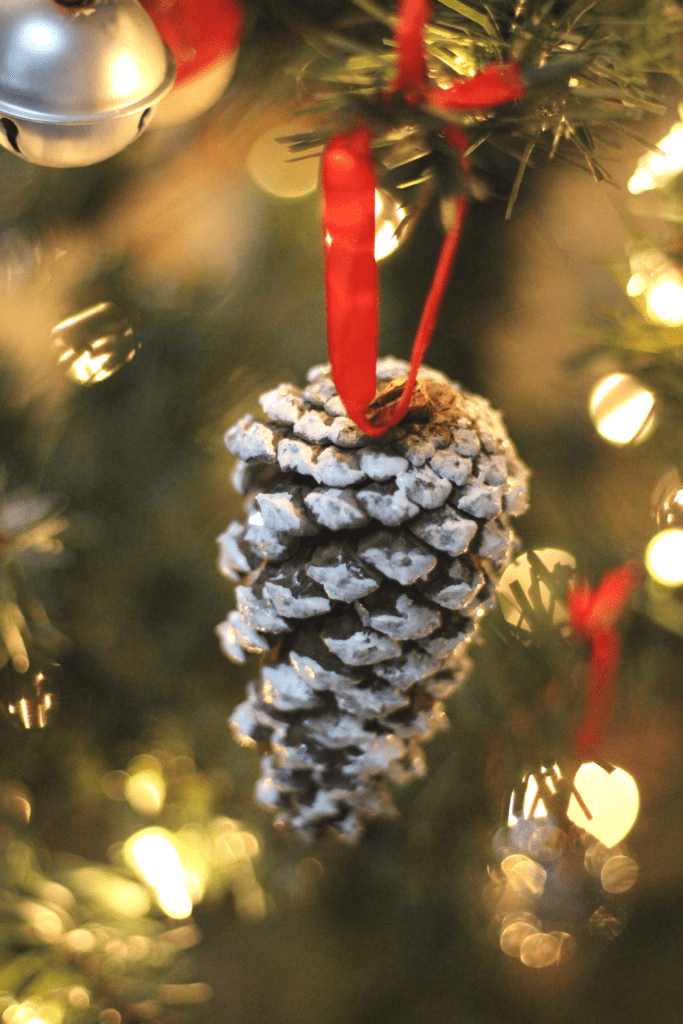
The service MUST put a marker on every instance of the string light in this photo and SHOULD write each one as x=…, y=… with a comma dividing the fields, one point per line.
x=389, y=216
x=654, y=170
x=611, y=799
x=656, y=285
x=665, y=302
x=664, y=557
x=622, y=409
x=156, y=859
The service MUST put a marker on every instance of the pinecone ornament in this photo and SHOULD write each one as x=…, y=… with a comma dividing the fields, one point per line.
x=363, y=566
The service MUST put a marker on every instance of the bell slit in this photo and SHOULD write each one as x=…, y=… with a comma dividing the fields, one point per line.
x=11, y=132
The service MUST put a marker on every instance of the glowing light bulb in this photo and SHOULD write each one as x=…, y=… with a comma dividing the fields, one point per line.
x=611, y=800
x=389, y=215
x=157, y=860
x=664, y=558
x=656, y=169
x=665, y=302
x=641, y=180
x=621, y=409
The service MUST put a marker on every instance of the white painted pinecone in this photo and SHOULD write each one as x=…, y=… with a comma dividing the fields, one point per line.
x=364, y=563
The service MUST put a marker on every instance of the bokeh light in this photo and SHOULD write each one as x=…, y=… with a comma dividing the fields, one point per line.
x=656, y=169
x=619, y=874
x=389, y=216
x=279, y=172
x=550, y=874
x=664, y=557
x=522, y=588
x=610, y=799
x=622, y=409
x=145, y=787
x=155, y=857
x=120, y=896
x=665, y=302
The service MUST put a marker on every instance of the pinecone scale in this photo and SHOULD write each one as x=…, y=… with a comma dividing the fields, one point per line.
x=362, y=565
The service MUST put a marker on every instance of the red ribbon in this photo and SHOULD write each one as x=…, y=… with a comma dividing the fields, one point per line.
x=593, y=615
x=411, y=60
x=348, y=179
x=197, y=32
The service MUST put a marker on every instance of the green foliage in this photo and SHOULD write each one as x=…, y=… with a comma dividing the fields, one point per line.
x=586, y=65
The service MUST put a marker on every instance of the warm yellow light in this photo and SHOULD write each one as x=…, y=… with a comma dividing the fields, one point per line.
x=157, y=860
x=389, y=215
x=524, y=875
x=50, y=1012
x=88, y=368
x=637, y=283
x=619, y=874
x=665, y=302
x=278, y=171
x=656, y=169
x=146, y=791
x=641, y=181
x=621, y=409
x=520, y=573
x=21, y=1013
x=673, y=148
x=540, y=950
x=533, y=807
x=514, y=935
x=174, y=901
x=610, y=797
x=664, y=558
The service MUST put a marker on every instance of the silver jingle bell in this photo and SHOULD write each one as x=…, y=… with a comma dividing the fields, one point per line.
x=78, y=81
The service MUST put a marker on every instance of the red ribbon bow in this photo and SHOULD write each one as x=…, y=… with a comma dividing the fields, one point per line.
x=593, y=615
x=348, y=179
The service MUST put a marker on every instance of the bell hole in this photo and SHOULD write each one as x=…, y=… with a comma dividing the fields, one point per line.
x=11, y=131
x=144, y=119
x=76, y=3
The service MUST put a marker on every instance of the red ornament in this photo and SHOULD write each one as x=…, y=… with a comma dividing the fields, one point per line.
x=204, y=38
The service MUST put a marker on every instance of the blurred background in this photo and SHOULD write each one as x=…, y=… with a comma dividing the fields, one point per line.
x=210, y=288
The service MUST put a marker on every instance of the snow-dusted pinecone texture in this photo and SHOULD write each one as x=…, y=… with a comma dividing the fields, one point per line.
x=364, y=564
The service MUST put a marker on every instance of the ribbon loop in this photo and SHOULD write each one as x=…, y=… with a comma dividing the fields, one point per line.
x=348, y=179
x=593, y=615
x=411, y=73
